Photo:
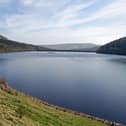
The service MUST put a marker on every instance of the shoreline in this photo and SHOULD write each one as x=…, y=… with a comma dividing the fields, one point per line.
x=5, y=87
x=105, y=121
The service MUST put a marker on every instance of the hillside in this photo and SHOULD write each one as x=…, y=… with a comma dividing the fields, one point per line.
x=7, y=45
x=86, y=47
x=19, y=109
x=2, y=37
x=114, y=47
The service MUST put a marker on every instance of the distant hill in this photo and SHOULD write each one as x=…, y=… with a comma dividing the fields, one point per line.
x=7, y=45
x=88, y=47
x=114, y=47
x=2, y=37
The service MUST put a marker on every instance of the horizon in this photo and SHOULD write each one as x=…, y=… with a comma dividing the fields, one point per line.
x=53, y=22
x=53, y=44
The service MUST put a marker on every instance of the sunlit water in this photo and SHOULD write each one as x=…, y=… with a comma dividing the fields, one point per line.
x=87, y=82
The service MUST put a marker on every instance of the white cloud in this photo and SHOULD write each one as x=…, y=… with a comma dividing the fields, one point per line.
x=99, y=35
x=117, y=7
x=73, y=10
x=51, y=22
x=28, y=2
x=29, y=21
x=43, y=3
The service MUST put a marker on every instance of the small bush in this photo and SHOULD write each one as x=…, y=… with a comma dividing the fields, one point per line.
x=21, y=111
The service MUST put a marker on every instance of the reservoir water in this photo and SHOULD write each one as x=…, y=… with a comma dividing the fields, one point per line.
x=87, y=82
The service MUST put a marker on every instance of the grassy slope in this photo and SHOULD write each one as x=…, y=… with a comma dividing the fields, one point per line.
x=115, y=47
x=13, y=46
x=21, y=110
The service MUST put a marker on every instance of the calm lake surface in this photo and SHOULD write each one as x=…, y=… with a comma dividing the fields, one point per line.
x=87, y=82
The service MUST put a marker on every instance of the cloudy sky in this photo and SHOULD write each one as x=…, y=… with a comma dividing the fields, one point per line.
x=63, y=21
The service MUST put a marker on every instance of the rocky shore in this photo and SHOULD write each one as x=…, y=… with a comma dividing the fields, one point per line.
x=107, y=122
x=5, y=86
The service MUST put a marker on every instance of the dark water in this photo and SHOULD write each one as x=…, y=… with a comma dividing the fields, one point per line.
x=86, y=82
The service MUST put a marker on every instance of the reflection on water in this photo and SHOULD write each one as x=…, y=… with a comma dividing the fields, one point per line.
x=86, y=82
x=119, y=60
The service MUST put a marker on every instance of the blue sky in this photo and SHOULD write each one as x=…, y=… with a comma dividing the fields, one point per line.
x=63, y=21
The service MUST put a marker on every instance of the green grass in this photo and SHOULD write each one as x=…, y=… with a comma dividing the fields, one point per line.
x=21, y=110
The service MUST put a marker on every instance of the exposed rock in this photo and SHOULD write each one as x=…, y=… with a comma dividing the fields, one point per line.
x=4, y=86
